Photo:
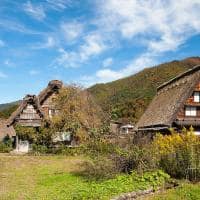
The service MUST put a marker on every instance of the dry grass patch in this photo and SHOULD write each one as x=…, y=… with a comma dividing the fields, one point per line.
x=19, y=175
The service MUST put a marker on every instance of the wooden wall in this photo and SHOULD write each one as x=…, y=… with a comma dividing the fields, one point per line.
x=29, y=117
x=48, y=104
x=190, y=102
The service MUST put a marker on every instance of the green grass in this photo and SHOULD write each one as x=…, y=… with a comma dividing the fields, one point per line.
x=186, y=191
x=55, y=178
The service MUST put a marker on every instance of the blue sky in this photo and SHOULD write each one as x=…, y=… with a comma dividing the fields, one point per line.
x=90, y=41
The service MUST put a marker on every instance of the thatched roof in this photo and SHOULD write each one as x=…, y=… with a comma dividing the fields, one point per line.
x=170, y=97
x=28, y=99
x=5, y=130
x=36, y=101
x=53, y=86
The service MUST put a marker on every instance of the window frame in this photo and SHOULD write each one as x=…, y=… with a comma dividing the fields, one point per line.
x=197, y=97
x=190, y=111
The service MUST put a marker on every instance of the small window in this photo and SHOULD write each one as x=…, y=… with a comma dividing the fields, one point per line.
x=52, y=112
x=196, y=96
x=190, y=111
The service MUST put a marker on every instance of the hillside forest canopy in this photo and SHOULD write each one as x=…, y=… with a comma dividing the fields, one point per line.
x=129, y=97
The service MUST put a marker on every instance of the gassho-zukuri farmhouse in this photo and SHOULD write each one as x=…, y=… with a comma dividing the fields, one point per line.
x=176, y=105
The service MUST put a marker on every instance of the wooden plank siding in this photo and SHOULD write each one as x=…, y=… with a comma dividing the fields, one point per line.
x=29, y=117
x=48, y=105
x=33, y=109
x=190, y=102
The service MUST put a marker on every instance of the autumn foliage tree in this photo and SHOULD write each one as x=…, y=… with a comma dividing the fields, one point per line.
x=77, y=112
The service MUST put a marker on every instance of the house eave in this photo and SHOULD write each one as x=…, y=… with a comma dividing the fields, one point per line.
x=188, y=122
x=158, y=127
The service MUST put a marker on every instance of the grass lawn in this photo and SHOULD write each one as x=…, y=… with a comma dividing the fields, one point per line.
x=185, y=191
x=53, y=177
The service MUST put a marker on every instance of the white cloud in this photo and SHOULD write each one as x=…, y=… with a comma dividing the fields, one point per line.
x=9, y=63
x=59, y=5
x=67, y=59
x=49, y=43
x=172, y=22
x=14, y=25
x=107, y=62
x=106, y=75
x=71, y=30
x=93, y=45
x=162, y=26
x=2, y=43
x=33, y=72
x=3, y=75
x=35, y=11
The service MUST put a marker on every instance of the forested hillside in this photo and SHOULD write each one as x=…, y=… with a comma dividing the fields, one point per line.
x=8, y=105
x=129, y=97
x=6, y=111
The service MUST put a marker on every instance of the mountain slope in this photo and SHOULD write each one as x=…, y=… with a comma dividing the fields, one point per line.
x=129, y=97
x=7, y=109
x=8, y=105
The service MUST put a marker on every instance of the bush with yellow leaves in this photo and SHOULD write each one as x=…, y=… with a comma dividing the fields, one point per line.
x=177, y=153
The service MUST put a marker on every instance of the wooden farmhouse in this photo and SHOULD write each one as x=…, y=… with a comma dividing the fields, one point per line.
x=176, y=105
x=32, y=110
x=35, y=108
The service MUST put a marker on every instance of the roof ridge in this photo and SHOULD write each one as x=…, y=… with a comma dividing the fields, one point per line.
x=195, y=68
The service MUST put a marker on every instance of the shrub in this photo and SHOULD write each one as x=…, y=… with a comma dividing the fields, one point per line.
x=4, y=148
x=26, y=133
x=6, y=145
x=39, y=149
x=177, y=153
x=155, y=178
x=99, y=168
x=99, y=147
x=133, y=158
x=68, y=151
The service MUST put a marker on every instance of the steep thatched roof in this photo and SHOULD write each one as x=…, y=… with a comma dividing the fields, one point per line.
x=36, y=101
x=170, y=97
x=28, y=99
x=53, y=86
x=5, y=130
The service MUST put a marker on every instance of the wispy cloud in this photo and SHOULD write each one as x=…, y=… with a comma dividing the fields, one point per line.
x=107, y=62
x=162, y=26
x=33, y=72
x=35, y=11
x=71, y=31
x=107, y=74
x=9, y=63
x=93, y=45
x=3, y=75
x=50, y=42
x=144, y=60
x=2, y=43
x=13, y=25
x=59, y=5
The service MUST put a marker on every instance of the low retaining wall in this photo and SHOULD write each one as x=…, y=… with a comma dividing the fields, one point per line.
x=143, y=193
x=134, y=195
